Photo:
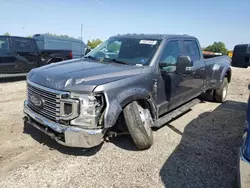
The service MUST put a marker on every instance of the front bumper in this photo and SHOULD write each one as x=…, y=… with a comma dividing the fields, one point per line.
x=65, y=135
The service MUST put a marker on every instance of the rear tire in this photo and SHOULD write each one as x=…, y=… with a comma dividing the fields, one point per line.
x=207, y=95
x=139, y=123
x=220, y=95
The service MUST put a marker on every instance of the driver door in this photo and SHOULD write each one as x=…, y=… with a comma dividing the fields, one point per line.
x=173, y=89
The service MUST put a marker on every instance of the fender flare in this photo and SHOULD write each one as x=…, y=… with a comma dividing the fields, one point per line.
x=115, y=106
x=226, y=72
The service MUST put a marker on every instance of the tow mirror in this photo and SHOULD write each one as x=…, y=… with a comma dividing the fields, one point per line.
x=241, y=56
x=161, y=65
x=184, y=65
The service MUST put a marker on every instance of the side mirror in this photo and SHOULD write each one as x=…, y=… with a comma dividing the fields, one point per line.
x=184, y=65
x=241, y=56
x=161, y=65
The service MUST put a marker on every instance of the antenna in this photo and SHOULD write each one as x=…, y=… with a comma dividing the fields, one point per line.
x=81, y=41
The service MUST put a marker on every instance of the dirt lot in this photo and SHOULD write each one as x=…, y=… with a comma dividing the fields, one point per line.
x=198, y=149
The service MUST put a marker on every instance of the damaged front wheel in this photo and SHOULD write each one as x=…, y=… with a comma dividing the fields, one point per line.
x=139, y=123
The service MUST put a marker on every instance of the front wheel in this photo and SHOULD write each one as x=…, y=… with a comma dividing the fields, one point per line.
x=139, y=123
x=220, y=95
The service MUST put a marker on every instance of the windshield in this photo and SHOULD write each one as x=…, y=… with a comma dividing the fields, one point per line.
x=4, y=43
x=128, y=50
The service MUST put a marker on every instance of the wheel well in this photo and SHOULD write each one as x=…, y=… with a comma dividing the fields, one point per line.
x=145, y=104
x=119, y=125
x=228, y=76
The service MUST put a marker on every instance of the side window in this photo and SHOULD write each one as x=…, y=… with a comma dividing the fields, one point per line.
x=22, y=44
x=192, y=50
x=4, y=45
x=170, y=54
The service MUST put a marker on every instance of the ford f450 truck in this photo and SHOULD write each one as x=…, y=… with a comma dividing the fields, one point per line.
x=145, y=79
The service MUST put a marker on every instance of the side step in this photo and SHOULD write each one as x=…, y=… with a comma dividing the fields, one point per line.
x=12, y=75
x=173, y=114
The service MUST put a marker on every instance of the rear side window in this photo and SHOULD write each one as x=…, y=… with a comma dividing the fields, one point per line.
x=192, y=50
x=4, y=45
x=248, y=49
x=22, y=44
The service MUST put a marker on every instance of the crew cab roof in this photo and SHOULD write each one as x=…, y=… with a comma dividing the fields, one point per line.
x=153, y=36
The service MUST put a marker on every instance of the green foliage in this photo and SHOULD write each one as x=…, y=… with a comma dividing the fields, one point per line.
x=6, y=34
x=113, y=47
x=30, y=36
x=218, y=47
x=92, y=44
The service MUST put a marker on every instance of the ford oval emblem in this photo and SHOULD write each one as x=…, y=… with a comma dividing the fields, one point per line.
x=37, y=100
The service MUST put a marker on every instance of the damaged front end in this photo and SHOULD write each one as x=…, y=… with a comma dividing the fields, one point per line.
x=72, y=119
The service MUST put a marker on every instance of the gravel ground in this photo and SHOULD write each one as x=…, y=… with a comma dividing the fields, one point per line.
x=199, y=149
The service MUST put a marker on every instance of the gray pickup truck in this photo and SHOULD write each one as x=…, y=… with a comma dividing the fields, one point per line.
x=128, y=83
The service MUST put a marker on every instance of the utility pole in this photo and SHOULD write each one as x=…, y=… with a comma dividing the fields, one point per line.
x=81, y=41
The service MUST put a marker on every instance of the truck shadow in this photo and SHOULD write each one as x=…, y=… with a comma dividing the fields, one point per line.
x=53, y=145
x=124, y=142
x=208, y=151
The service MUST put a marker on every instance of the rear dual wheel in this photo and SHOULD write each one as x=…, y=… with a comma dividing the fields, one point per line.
x=220, y=95
x=217, y=95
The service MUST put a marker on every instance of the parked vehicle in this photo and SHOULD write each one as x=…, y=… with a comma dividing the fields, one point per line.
x=241, y=59
x=18, y=55
x=50, y=42
x=145, y=79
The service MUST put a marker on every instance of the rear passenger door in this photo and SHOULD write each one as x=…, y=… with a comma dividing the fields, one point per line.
x=198, y=76
x=28, y=56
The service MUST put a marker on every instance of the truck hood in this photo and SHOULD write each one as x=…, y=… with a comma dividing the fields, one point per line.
x=80, y=75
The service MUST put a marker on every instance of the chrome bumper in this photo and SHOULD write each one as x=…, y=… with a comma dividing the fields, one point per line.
x=73, y=136
x=243, y=171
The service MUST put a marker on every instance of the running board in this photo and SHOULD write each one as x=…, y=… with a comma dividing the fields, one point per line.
x=173, y=114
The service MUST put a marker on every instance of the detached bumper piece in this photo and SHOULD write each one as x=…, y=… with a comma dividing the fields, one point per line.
x=66, y=135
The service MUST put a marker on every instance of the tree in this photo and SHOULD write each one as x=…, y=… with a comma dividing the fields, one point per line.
x=6, y=34
x=30, y=36
x=113, y=47
x=217, y=47
x=92, y=44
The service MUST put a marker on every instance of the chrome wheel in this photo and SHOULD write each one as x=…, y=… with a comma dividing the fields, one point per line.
x=146, y=119
x=224, y=92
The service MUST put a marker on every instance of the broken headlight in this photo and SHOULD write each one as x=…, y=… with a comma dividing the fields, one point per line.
x=90, y=109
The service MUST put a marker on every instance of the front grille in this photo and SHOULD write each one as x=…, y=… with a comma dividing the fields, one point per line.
x=50, y=101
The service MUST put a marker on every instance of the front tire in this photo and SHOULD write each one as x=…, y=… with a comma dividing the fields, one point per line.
x=220, y=95
x=139, y=123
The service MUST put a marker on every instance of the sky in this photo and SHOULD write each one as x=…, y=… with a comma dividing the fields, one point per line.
x=212, y=20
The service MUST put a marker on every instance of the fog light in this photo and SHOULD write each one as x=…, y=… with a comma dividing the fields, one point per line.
x=67, y=109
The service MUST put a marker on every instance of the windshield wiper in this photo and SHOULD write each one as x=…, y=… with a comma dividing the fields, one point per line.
x=91, y=57
x=116, y=61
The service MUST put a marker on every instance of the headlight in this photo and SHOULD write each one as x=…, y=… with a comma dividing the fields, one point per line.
x=90, y=108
